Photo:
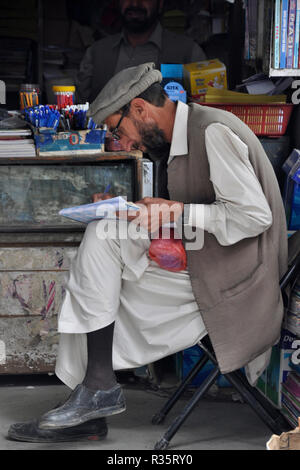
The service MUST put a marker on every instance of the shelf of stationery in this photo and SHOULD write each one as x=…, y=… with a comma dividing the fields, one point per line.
x=285, y=28
x=284, y=72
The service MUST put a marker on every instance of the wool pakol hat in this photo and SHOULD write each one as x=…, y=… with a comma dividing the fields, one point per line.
x=122, y=88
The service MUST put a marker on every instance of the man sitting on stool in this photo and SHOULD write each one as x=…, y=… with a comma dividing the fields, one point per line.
x=121, y=309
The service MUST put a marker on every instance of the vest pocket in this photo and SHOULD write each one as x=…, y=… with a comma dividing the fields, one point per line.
x=256, y=276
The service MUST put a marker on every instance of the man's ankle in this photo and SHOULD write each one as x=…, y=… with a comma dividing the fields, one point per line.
x=95, y=384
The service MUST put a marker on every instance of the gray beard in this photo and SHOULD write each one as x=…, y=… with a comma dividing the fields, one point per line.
x=135, y=25
x=154, y=141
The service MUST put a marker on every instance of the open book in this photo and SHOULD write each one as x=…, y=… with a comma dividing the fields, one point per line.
x=98, y=210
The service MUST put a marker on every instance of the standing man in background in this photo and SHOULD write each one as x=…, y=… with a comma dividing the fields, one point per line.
x=142, y=40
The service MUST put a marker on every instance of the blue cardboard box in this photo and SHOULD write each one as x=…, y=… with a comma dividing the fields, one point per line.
x=51, y=143
x=291, y=195
x=172, y=72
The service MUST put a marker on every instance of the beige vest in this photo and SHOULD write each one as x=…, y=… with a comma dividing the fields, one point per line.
x=237, y=286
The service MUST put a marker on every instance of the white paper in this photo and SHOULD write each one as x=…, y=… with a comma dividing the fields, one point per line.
x=98, y=210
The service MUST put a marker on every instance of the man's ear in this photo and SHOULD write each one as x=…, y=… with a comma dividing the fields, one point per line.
x=139, y=109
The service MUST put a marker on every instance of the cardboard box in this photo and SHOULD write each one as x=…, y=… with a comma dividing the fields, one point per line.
x=199, y=75
x=49, y=143
x=172, y=72
x=270, y=382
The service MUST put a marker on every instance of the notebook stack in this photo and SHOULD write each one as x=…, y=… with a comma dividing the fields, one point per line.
x=16, y=143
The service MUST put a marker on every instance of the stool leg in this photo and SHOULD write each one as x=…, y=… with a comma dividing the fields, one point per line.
x=254, y=403
x=271, y=417
x=159, y=417
x=207, y=383
x=275, y=415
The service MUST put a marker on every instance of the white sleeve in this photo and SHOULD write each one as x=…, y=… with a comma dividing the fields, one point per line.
x=241, y=209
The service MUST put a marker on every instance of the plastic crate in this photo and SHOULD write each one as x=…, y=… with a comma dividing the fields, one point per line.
x=263, y=119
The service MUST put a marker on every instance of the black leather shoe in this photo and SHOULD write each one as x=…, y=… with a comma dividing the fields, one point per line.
x=95, y=430
x=84, y=405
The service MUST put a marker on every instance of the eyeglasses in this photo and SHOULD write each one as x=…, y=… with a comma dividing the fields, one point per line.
x=115, y=132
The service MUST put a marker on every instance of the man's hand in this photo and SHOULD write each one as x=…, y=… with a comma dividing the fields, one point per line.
x=154, y=213
x=101, y=197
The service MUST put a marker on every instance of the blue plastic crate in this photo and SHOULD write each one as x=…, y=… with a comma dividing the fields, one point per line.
x=190, y=357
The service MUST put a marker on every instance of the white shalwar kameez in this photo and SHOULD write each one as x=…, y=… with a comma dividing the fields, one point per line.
x=154, y=310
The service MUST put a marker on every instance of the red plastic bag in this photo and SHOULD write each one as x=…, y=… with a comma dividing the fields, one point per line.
x=168, y=253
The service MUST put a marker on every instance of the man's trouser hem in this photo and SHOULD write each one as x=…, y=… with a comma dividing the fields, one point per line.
x=66, y=328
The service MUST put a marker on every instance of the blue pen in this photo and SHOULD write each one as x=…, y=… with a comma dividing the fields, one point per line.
x=107, y=189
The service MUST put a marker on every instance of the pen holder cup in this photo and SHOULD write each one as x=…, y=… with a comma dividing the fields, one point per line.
x=30, y=96
x=65, y=96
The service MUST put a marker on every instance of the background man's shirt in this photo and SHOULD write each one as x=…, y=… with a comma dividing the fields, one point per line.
x=111, y=54
x=150, y=52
